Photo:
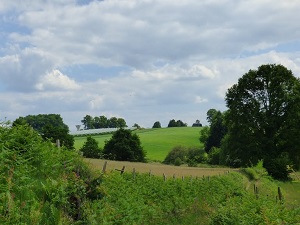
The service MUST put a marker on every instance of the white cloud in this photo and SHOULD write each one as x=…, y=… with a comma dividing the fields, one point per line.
x=56, y=80
x=179, y=57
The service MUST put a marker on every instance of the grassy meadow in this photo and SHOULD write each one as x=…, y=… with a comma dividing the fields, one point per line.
x=157, y=142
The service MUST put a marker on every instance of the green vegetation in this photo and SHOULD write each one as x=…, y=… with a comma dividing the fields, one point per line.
x=263, y=120
x=183, y=155
x=156, y=142
x=50, y=127
x=90, y=149
x=124, y=146
x=40, y=183
x=228, y=199
x=43, y=184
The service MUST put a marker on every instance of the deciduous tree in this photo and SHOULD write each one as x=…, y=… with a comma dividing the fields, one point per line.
x=264, y=116
x=124, y=146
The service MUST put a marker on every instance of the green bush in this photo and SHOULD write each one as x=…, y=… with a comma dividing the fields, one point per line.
x=176, y=154
x=177, y=162
x=214, y=156
x=90, y=148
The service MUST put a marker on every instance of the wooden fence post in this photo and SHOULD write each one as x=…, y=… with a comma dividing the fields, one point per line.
x=133, y=172
x=164, y=177
x=58, y=143
x=280, y=194
x=104, y=167
x=122, y=170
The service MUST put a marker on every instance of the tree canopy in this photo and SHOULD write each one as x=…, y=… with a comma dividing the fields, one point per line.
x=263, y=117
x=178, y=123
x=49, y=126
x=212, y=136
x=90, y=122
x=156, y=125
x=124, y=146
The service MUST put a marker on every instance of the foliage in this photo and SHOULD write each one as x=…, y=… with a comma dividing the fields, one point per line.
x=156, y=125
x=176, y=156
x=137, y=126
x=214, y=156
x=212, y=136
x=197, y=124
x=178, y=123
x=256, y=172
x=124, y=146
x=90, y=122
x=90, y=148
x=144, y=199
x=50, y=126
x=180, y=155
x=40, y=183
x=195, y=156
x=263, y=117
x=278, y=167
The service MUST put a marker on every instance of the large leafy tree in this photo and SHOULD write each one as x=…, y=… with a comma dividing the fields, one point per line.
x=88, y=122
x=49, y=126
x=263, y=117
x=124, y=146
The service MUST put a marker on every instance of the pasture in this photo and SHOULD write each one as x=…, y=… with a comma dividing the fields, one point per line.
x=156, y=142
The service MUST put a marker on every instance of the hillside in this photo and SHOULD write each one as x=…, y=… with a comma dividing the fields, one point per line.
x=157, y=142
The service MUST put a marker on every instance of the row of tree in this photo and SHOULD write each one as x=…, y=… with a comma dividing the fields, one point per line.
x=261, y=123
x=90, y=122
x=96, y=122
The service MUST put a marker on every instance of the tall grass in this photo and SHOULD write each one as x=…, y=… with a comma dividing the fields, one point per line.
x=38, y=181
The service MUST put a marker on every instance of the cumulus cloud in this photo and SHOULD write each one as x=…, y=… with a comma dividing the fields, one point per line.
x=56, y=80
x=174, y=58
x=21, y=71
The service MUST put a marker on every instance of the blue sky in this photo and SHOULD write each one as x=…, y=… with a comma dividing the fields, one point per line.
x=142, y=60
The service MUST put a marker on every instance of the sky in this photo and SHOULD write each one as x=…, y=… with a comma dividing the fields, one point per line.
x=141, y=60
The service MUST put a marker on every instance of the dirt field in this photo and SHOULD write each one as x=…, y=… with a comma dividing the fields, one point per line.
x=157, y=168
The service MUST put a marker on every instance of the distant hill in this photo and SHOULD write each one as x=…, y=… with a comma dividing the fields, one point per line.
x=157, y=142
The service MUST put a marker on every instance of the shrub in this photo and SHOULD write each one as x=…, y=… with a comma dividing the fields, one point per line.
x=178, y=152
x=214, y=156
x=178, y=162
x=90, y=148
x=256, y=172
x=278, y=167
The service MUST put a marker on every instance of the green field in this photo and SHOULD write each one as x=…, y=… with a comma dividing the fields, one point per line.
x=157, y=142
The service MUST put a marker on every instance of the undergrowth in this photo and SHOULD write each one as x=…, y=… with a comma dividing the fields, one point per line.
x=43, y=184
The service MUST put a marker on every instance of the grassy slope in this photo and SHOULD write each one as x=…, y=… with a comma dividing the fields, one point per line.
x=157, y=142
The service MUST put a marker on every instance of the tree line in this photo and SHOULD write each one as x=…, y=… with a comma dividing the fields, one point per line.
x=97, y=122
